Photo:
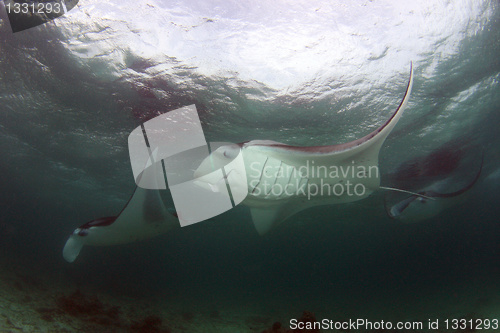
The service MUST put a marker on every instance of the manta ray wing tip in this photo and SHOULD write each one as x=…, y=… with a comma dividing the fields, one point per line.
x=72, y=248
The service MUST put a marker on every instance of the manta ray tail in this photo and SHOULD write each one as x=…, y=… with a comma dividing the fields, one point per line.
x=405, y=191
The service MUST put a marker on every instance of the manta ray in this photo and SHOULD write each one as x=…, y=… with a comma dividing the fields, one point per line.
x=418, y=207
x=283, y=180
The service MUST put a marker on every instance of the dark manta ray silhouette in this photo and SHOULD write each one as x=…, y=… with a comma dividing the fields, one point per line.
x=418, y=207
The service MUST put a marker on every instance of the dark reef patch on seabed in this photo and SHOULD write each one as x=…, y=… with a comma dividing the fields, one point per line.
x=99, y=315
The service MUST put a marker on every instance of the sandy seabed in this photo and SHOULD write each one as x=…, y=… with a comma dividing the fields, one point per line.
x=36, y=300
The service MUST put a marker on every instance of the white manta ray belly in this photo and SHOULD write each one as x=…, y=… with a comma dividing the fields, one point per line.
x=283, y=180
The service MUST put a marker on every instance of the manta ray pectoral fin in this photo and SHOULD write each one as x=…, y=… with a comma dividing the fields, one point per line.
x=80, y=237
x=465, y=188
x=73, y=247
x=144, y=216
